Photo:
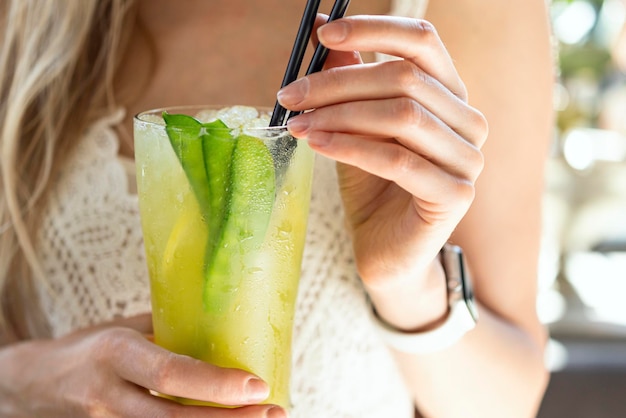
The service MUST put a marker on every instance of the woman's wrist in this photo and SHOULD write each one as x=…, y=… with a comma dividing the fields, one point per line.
x=413, y=304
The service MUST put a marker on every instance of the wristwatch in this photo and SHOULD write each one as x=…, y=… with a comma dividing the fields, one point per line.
x=462, y=314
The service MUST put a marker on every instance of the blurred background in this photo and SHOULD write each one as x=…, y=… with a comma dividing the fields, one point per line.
x=582, y=294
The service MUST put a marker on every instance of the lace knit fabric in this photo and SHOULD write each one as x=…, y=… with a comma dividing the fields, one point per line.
x=90, y=241
x=92, y=253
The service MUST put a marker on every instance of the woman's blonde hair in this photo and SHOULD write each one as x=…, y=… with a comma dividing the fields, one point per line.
x=57, y=66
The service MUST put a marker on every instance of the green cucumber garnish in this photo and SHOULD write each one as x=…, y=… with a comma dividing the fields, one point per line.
x=251, y=197
x=233, y=180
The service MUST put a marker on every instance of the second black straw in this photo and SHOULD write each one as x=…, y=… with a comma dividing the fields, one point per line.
x=297, y=54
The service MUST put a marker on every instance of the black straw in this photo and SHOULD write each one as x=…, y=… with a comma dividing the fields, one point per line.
x=297, y=55
x=299, y=48
x=321, y=52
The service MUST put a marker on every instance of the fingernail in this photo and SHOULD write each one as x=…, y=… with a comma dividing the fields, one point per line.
x=294, y=93
x=257, y=390
x=276, y=412
x=298, y=126
x=334, y=32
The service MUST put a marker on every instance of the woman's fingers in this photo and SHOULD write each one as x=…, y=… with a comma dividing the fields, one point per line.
x=134, y=402
x=395, y=79
x=393, y=162
x=420, y=100
x=412, y=39
x=111, y=371
x=137, y=360
x=412, y=126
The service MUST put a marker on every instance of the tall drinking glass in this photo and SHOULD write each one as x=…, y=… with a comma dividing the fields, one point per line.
x=224, y=213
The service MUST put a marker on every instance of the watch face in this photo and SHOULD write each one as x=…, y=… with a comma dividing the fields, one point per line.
x=468, y=291
x=468, y=295
x=459, y=282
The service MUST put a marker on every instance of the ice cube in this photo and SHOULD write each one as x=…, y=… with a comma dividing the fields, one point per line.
x=237, y=116
x=206, y=115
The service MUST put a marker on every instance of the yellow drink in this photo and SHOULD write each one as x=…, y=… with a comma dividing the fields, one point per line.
x=240, y=313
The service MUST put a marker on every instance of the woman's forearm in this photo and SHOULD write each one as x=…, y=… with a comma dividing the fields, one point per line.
x=496, y=370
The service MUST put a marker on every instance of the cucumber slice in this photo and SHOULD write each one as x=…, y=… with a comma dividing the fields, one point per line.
x=248, y=212
x=184, y=134
x=217, y=147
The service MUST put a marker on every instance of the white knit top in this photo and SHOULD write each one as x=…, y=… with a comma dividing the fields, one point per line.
x=92, y=253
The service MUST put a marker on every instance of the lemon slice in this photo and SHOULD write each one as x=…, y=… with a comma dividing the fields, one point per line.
x=186, y=246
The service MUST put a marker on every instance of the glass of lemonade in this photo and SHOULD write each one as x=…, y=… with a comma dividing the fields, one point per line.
x=224, y=203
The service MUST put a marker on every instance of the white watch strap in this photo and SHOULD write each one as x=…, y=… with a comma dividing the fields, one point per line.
x=456, y=325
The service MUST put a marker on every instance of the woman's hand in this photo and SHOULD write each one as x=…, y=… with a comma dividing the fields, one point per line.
x=406, y=138
x=107, y=371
